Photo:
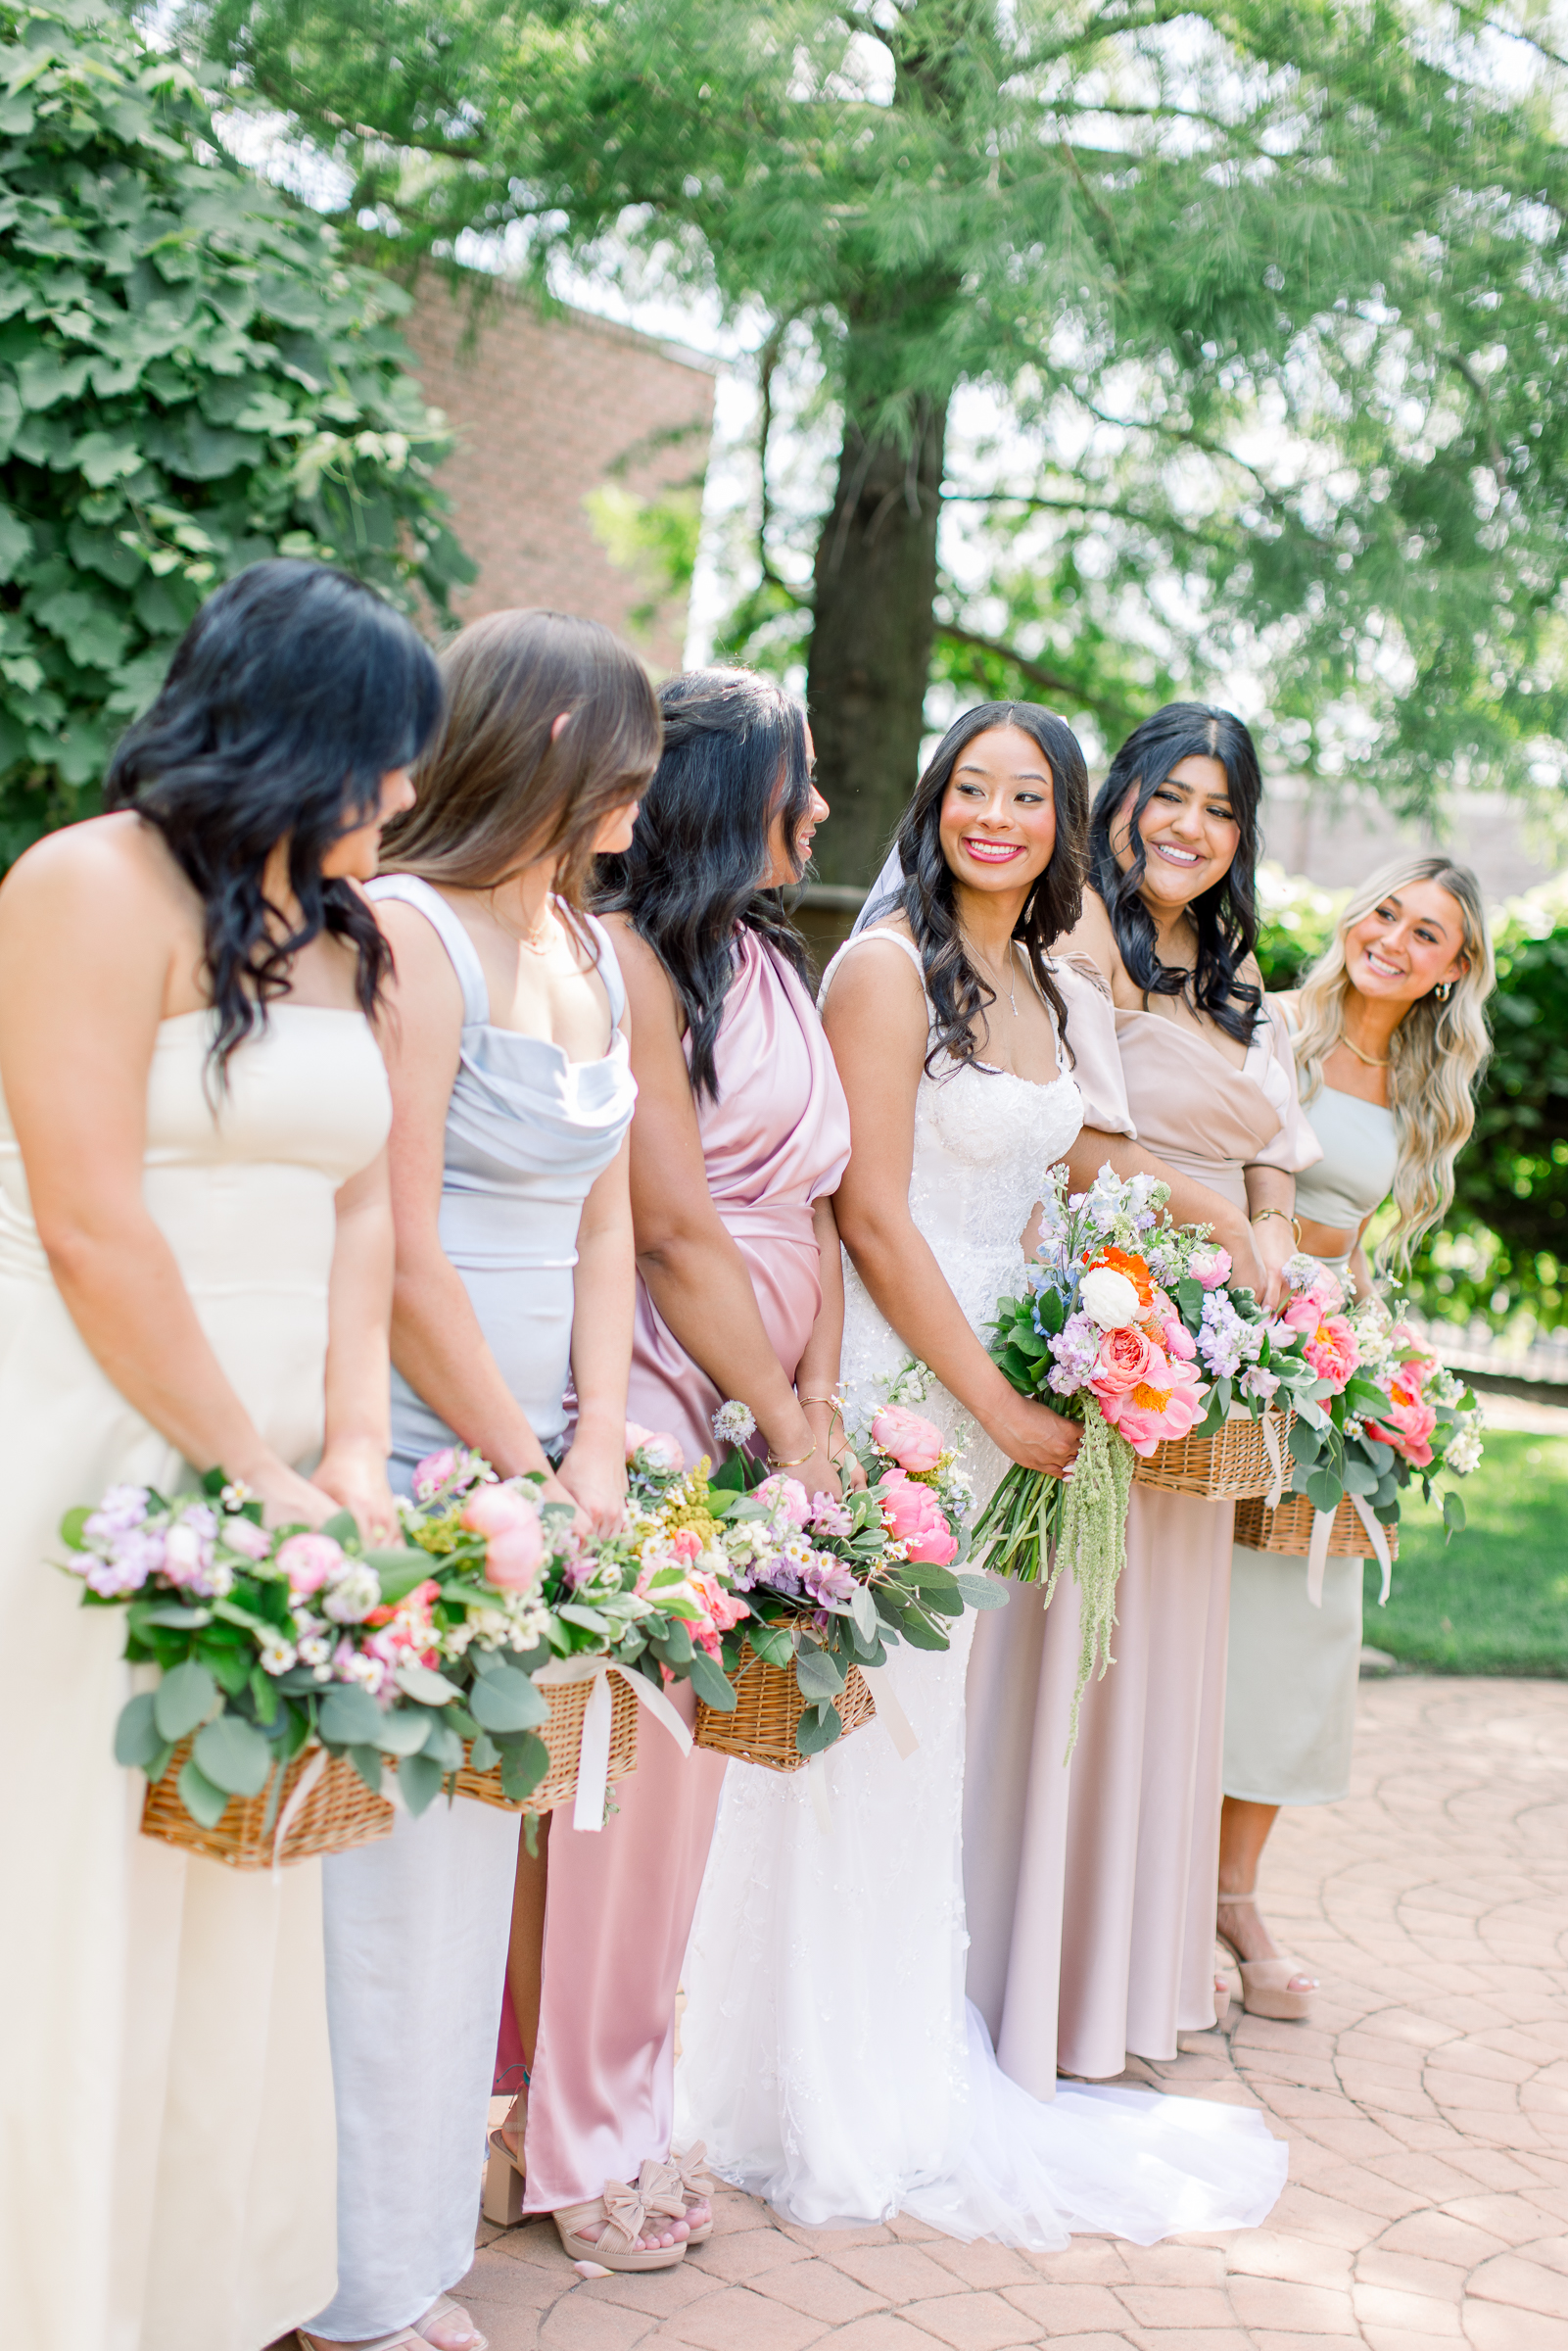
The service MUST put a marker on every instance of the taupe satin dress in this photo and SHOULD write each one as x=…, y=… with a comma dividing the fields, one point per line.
x=1091, y=1888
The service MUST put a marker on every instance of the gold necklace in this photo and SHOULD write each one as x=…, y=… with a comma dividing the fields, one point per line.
x=536, y=942
x=990, y=970
x=1351, y=1047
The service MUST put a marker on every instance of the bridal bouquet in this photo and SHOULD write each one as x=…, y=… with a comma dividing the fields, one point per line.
x=265, y=1642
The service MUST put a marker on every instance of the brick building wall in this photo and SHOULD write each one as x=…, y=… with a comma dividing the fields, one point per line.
x=547, y=411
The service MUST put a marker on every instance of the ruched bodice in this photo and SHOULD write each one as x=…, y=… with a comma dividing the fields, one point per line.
x=1204, y=1116
x=528, y=1133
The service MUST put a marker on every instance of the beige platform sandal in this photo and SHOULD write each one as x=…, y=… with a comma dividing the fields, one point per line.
x=686, y=2173
x=504, y=2174
x=624, y=2212
x=1265, y=1984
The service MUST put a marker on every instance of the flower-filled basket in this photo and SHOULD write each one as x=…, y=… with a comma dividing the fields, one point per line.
x=1234, y=1464
x=764, y=1726
x=317, y=1805
x=561, y=1734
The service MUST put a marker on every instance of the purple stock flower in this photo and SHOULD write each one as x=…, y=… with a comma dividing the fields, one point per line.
x=826, y=1578
x=1073, y=1354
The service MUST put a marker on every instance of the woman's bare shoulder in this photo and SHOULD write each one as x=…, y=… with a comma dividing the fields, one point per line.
x=1091, y=938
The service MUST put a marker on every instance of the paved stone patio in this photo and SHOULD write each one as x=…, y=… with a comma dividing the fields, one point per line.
x=1426, y=2107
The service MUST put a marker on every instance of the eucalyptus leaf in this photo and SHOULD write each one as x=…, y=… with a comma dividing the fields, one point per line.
x=984, y=1591
x=206, y=1803
x=863, y=1610
x=424, y=1685
x=819, y=1726
x=344, y=1528
x=483, y=1754
x=234, y=1755
x=773, y=1642
x=443, y=1742
x=348, y=1716
x=137, y=1738
x=419, y=1779
x=507, y=1701
x=399, y=1573
x=366, y=1762
x=711, y=1684
x=522, y=1767
x=818, y=1673
x=184, y=1698
x=1323, y=1491
x=403, y=1731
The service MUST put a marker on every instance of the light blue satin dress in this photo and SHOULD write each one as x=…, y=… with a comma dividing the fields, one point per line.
x=417, y=1925
x=1293, y=1668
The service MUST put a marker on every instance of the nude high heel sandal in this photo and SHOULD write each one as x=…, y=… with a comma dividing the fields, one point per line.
x=626, y=2216
x=505, y=2174
x=685, y=2175
x=1265, y=1987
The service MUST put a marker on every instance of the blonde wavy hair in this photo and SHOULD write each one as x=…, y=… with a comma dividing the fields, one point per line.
x=1436, y=1055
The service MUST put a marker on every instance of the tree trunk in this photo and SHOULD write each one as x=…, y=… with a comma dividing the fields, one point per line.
x=871, y=641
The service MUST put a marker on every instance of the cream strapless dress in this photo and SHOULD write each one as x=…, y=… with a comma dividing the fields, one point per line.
x=167, y=2157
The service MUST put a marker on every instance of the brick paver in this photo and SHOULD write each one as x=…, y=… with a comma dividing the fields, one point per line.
x=1426, y=2107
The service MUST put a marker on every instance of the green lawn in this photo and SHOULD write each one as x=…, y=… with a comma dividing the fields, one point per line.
x=1495, y=1599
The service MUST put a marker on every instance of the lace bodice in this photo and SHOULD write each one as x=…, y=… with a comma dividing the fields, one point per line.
x=984, y=1140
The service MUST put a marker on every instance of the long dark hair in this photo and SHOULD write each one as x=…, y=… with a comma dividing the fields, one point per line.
x=498, y=788
x=735, y=753
x=290, y=695
x=1225, y=917
x=959, y=995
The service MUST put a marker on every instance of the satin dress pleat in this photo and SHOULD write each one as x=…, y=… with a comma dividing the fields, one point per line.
x=166, y=2092
x=417, y=1925
x=1091, y=1886
x=621, y=1902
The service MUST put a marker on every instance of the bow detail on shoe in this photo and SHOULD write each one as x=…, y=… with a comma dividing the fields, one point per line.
x=626, y=2211
x=660, y=2188
x=691, y=2169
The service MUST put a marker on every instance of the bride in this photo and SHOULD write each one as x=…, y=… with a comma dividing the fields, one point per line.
x=829, y=2060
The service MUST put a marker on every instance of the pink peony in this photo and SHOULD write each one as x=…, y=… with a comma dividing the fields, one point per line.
x=722, y=1610
x=1302, y=1312
x=432, y=1474
x=790, y=1493
x=910, y=1441
x=308, y=1560
x=1123, y=1361
x=1209, y=1268
x=1331, y=1350
x=662, y=1452
x=1408, y=1426
x=913, y=1517
x=515, y=1536
x=1164, y=1407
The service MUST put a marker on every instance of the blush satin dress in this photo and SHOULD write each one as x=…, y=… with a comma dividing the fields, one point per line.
x=620, y=1902
x=417, y=1926
x=1091, y=1887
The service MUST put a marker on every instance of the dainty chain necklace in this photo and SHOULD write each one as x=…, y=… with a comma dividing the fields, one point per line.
x=536, y=942
x=989, y=968
x=1351, y=1047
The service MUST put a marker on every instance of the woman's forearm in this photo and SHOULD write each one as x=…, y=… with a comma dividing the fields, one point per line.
x=123, y=1290
x=700, y=1285
x=602, y=1312
x=441, y=1351
x=358, y=1414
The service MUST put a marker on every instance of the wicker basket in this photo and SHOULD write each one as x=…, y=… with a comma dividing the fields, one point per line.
x=337, y=1813
x=1231, y=1465
x=562, y=1734
x=768, y=1709
x=1290, y=1529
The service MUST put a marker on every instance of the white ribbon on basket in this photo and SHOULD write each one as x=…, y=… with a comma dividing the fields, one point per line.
x=1276, y=1456
x=1317, y=1549
x=594, y=1746
x=291, y=1810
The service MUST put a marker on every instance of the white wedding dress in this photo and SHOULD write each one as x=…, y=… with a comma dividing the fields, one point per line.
x=830, y=2060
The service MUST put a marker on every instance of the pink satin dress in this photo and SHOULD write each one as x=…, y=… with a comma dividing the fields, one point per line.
x=621, y=1900
x=1091, y=1888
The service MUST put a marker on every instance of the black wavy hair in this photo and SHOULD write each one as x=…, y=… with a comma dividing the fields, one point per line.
x=1225, y=917
x=958, y=992
x=735, y=752
x=292, y=692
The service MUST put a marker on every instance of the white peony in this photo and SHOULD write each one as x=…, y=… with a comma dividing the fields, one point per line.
x=1463, y=1453
x=1109, y=1298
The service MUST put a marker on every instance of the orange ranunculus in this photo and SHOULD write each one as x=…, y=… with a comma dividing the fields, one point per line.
x=1121, y=1261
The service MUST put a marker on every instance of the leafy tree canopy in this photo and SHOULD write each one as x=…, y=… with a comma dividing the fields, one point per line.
x=1273, y=299
x=191, y=377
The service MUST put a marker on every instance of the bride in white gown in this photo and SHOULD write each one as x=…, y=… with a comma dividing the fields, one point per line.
x=829, y=2060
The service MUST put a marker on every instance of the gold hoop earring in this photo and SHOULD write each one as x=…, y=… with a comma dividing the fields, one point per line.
x=1443, y=991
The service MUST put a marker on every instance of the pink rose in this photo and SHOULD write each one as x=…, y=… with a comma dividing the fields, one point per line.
x=432, y=1474
x=1209, y=1268
x=1302, y=1312
x=1332, y=1351
x=308, y=1560
x=913, y=1517
x=243, y=1535
x=1408, y=1426
x=514, y=1533
x=1148, y=1414
x=790, y=1493
x=724, y=1608
x=910, y=1441
x=662, y=1452
x=1124, y=1359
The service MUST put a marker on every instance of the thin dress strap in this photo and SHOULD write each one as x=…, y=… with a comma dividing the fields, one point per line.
x=610, y=966
x=412, y=891
x=859, y=940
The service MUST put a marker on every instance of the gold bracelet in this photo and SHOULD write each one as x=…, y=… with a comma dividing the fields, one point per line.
x=775, y=1464
x=833, y=1400
x=1294, y=1223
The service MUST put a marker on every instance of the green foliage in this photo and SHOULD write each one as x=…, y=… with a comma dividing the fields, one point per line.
x=1269, y=300
x=1495, y=1599
x=655, y=538
x=191, y=377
